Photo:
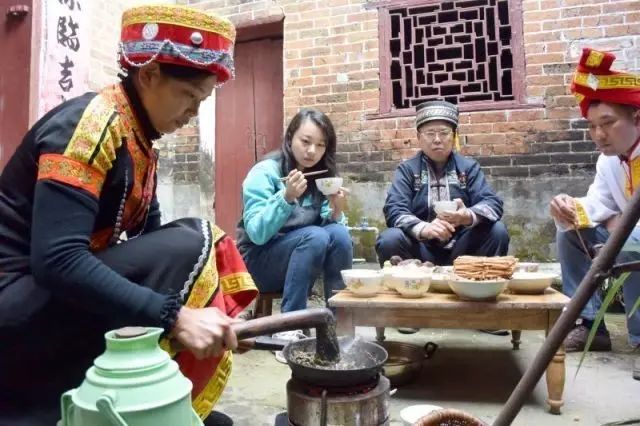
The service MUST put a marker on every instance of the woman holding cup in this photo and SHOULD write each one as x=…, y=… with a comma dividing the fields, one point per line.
x=290, y=231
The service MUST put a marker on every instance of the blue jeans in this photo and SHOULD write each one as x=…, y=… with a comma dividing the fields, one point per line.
x=485, y=239
x=575, y=264
x=291, y=262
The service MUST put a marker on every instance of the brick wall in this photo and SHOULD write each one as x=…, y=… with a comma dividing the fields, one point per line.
x=553, y=138
x=105, y=34
x=331, y=63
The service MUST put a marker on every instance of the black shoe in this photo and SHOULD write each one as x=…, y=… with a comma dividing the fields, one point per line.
x=576, y=340
x=217, y=418
x=408, y=330
x=495, y=332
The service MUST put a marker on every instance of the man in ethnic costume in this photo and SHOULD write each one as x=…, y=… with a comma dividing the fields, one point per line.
x=610, y=101
x=439, y=173
x=85, y=174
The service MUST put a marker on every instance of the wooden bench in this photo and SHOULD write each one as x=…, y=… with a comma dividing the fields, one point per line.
x=264, y=304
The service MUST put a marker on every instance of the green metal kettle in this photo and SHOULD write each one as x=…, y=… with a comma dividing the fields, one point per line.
x=133, y=383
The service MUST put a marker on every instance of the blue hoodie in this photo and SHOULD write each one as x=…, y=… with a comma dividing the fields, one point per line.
x=267, y=214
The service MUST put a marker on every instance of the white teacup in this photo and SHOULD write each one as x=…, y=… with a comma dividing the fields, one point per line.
x=362, y=282
x=527, y=267
x=445, y=207
x=387, y=277
x=330, y=185
x=440, y=283
x=411, y=283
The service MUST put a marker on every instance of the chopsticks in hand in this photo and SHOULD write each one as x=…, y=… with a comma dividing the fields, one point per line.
x=319, y=172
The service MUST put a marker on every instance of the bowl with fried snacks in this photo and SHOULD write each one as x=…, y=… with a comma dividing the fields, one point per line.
x=478, y=290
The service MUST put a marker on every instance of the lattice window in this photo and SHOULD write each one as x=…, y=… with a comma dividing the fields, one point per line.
x=466, y=51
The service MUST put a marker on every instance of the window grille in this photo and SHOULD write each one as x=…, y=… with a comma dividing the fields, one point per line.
x=468, y=52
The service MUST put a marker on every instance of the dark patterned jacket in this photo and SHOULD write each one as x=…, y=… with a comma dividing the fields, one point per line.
x=409, y=200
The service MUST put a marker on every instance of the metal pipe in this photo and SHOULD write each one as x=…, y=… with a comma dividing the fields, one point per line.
x=306, y=318
x=620, y=268
x=321, y=319
x=599, y=268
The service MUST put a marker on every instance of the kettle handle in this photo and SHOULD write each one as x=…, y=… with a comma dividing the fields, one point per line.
x=106, y=408
x=66, y=402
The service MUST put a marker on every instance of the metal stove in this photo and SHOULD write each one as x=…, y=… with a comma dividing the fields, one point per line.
x=362, y=405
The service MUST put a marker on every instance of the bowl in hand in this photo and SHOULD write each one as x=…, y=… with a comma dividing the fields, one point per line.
x=329, y=186
x=445, y=207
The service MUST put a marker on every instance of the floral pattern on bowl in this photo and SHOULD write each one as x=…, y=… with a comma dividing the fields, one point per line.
x=329, y=186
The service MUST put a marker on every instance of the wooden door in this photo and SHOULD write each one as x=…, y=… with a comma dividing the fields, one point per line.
x=248, y=123
x=15, y=45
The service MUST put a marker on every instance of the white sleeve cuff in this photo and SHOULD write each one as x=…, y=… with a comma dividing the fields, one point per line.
x=417, y=230
x=474, y=216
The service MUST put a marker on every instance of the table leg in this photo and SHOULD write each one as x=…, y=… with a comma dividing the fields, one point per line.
x=515, y=339
x=345, y=325
x=380, y=334
x=555, y=373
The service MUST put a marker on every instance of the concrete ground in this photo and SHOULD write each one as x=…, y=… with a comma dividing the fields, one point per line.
x=471, y=371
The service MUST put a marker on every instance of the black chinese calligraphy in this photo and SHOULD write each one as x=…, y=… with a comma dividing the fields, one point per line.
x=71, y=4
x=67, y=33
x=66, y=81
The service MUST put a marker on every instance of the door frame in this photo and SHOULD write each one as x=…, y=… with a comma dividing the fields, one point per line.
x=28, y=109
x=271, y=27
x=267, y=27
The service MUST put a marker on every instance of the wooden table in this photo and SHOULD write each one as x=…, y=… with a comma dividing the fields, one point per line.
x=439, y=310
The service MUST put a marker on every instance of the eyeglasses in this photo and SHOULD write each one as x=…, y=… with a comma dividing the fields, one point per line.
x=441, y=134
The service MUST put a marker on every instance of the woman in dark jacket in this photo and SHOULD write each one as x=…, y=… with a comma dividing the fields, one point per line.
x=83, y=177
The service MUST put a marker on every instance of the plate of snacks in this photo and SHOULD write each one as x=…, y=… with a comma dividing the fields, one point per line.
x=481, y=278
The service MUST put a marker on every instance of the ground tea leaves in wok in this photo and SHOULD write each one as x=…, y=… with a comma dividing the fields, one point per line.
x=327, y=347
x=348, y=361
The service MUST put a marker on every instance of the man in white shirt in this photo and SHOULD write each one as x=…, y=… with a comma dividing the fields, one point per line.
x=610, y=101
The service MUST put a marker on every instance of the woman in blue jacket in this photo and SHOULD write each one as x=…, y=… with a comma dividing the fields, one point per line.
x=290, y=233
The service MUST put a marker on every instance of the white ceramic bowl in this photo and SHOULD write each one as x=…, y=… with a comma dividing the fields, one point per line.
x=527, y=267
x=387, y=277
x=531, y=282
x=440, y=283
x=445, y=207
x=411, y=283
x=477, y=290
x=362, y=282
x=329, y=186
x=411, y=414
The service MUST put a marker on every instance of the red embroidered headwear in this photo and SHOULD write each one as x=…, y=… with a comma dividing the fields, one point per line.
x=177, y=35
x=594, y=80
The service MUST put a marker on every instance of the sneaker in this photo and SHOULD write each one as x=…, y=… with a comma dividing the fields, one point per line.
x=289, y=336
x=636, y=367
x=576, y=340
